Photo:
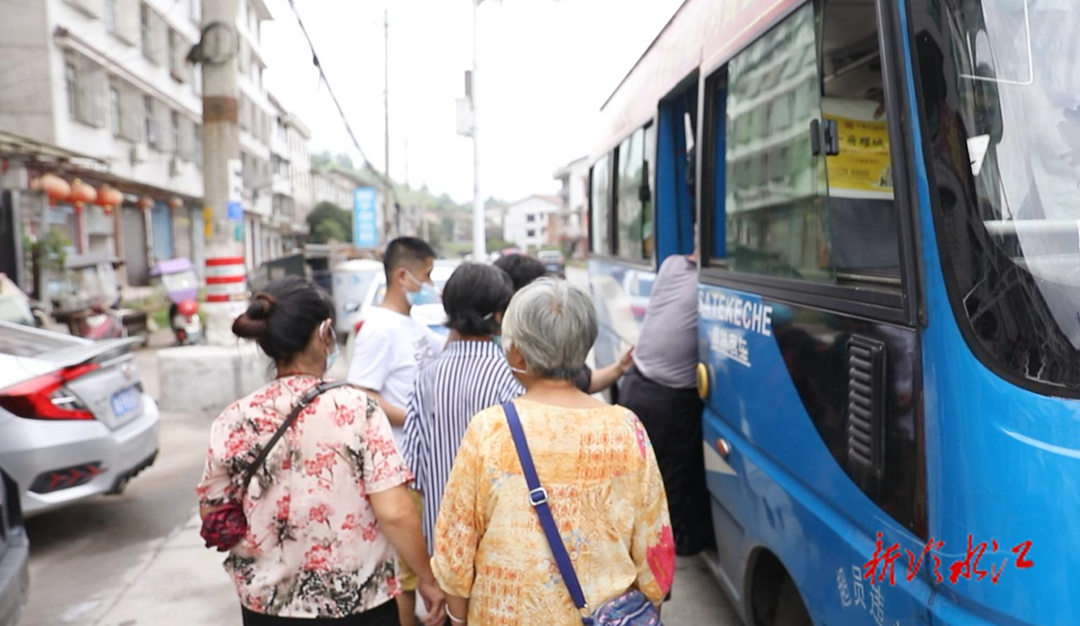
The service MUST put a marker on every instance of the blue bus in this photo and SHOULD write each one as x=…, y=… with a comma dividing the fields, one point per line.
x=881, y=194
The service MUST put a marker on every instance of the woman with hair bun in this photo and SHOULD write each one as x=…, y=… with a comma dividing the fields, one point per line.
x=328, y=506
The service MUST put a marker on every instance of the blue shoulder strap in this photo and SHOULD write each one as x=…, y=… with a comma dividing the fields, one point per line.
x=538, y=498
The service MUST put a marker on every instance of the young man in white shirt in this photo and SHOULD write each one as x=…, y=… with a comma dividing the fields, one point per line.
x=391, y=348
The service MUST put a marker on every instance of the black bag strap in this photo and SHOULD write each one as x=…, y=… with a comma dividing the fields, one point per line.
x=305, y=400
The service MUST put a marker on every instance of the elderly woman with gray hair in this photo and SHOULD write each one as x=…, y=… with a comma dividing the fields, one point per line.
x=594, y=462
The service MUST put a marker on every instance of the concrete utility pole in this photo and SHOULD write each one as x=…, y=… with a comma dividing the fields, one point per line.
x=479, y=238
x=222, y=182
x=386, y=117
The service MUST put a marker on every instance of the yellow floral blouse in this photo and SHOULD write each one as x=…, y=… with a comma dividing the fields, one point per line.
x=606, y=495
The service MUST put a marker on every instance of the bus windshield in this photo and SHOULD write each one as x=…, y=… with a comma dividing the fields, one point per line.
x=1002, y=110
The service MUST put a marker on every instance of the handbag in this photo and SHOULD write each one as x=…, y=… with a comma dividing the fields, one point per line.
x=227, y=524
x=631, y=608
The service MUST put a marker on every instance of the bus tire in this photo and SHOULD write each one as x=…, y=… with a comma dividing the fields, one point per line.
x=790, y=610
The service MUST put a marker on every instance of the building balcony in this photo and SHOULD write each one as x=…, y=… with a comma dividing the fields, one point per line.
x=281, y=185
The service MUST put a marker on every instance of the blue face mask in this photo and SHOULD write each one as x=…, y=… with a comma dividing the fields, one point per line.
x=332, y=356
x=426, y=294
x=506, y=352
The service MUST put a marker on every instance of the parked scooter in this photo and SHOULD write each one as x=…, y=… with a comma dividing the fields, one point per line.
x=87, y=299
x=182, y=288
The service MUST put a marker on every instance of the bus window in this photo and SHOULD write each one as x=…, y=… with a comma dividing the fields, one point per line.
x=808, y=187
x=600, y=201
x=714, y=237
x=862, y=215
x=633, y=201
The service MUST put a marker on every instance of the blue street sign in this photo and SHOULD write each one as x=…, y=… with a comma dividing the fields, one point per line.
x=235, y=212
x=365, y=218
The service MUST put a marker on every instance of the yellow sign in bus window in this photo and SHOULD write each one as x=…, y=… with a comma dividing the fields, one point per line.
x=863, y=164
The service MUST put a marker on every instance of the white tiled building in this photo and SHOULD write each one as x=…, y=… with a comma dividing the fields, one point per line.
x=526, y=222
x=262, y=233
x=290, y=166
x=303, y=188
x=108, y=79
x=570, y=226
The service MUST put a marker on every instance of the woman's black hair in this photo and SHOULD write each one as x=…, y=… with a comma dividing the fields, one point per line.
x=472, y=297
x=283, y=315
x=521, y=268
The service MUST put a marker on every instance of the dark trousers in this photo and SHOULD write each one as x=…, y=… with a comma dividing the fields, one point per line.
x=383, y=615
x=672, y=417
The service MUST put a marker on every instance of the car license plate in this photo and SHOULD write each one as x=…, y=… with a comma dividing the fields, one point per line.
x=126, y=401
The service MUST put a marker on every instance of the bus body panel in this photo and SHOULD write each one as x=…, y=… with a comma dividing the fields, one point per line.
x=782, y=486
x=821, y=550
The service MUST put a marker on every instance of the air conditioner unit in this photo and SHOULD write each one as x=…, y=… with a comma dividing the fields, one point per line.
x=175, y=166
x=138, y=153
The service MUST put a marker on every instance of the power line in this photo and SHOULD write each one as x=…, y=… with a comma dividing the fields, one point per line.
x=383, y=178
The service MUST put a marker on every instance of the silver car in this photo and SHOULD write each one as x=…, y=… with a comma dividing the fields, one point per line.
x=74, y=418
x=14, y=553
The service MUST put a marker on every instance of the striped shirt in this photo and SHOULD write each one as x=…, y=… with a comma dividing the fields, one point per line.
x=468, y=377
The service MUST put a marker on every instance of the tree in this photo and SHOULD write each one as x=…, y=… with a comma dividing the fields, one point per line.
x=498, y=245
x=345, y=161
x=330, y=230
x=329, y=222
x=321, y=160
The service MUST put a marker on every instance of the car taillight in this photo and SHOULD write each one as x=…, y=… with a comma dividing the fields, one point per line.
x=45, y=397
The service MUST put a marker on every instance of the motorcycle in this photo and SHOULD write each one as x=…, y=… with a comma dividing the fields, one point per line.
x=182, y=288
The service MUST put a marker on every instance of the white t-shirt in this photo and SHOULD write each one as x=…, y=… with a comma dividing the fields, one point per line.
x=390, y=350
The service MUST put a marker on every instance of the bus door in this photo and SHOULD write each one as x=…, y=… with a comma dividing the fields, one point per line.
x=651, y=167
x=811, y=358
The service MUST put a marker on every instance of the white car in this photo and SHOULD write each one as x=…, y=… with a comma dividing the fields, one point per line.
x=355, y=286
x=75, y=419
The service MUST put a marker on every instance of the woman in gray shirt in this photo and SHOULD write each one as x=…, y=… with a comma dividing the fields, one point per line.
x=661, y=389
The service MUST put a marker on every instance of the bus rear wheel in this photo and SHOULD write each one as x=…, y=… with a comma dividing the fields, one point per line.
x=790, y=610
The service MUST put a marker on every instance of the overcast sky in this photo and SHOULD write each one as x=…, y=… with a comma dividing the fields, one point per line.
x=546, y=66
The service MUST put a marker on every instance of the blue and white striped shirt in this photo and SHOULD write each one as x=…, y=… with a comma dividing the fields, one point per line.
x=468, y=377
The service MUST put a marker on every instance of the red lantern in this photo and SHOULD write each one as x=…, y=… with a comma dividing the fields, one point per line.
x=145, y=203
x=55, y=188
x=81, y=193
x=109, y=198
x=176, y=203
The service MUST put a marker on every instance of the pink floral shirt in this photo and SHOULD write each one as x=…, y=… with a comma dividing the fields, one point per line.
x=313, y=547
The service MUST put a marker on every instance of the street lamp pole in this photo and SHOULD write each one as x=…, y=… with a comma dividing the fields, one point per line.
x=479, y=243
